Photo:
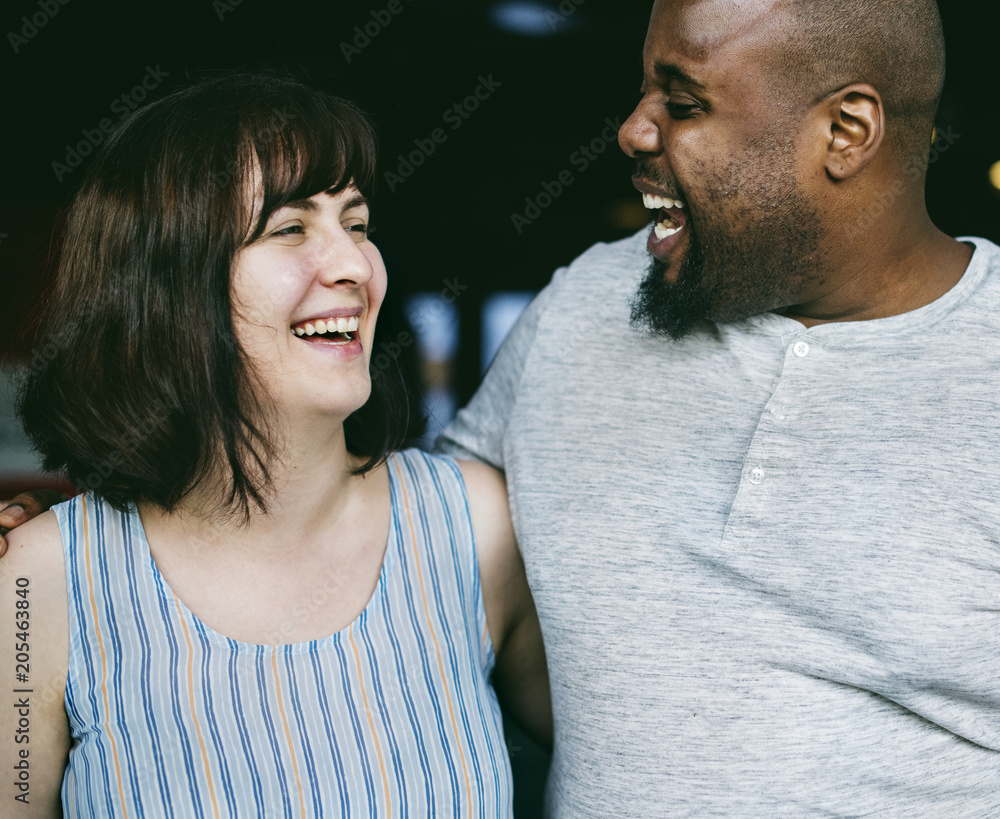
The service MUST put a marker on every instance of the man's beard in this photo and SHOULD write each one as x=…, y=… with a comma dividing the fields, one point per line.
x=762, y=265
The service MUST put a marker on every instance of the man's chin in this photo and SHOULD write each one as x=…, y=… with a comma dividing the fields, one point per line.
x=662, y=307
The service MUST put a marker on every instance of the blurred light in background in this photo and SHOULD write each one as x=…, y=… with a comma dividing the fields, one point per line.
x=529, y=19
x=499, y=313
x=435, y=324
x=20, y=467
x=995, y=175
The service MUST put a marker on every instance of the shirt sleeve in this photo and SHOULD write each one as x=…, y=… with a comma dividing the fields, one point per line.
x=478, y=431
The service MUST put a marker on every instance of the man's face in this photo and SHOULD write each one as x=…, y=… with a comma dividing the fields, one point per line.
x=740, y=235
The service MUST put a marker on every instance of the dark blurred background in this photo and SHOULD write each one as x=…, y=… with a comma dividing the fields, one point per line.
x=554, y=79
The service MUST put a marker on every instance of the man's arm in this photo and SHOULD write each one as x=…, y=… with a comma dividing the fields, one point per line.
x=34, y=656
x=23, y=508
x=520, y=676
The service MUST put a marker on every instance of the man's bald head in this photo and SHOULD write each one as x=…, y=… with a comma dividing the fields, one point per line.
x=896, y=46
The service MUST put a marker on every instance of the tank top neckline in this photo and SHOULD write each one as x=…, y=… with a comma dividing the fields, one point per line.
x=372, y=608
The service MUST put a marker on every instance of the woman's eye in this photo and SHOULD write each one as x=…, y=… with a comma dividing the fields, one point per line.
x=361, y=230
x=289, y=231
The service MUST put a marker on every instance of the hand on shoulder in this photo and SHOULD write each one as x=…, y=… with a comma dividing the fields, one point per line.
x=22, y=508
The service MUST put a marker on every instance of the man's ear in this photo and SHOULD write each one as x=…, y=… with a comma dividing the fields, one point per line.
x=855, y=129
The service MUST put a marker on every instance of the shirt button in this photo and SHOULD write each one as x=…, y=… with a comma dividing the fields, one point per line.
x=801, y=349
x=757, y=476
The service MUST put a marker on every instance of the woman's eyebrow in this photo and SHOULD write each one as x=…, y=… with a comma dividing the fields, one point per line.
x=309, y=206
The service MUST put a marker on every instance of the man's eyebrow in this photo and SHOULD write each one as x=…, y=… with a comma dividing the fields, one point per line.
x=666, y=72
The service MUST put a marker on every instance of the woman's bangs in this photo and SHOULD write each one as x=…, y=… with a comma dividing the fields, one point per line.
x=303, y=152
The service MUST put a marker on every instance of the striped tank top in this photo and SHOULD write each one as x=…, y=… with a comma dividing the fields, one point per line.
x=392, y=716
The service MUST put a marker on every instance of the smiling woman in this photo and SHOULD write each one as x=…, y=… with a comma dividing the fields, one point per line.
x=262, y=607
x=166, y=208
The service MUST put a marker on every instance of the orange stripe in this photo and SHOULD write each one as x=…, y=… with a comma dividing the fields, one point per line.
x=288, y=735
x=104, y=658
x=194, y=708
x=371, y=722
x=430, y=623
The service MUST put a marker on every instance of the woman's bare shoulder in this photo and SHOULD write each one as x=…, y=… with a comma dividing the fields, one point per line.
x=35, y=544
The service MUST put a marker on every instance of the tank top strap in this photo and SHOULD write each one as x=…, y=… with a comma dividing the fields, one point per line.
x=431, y=511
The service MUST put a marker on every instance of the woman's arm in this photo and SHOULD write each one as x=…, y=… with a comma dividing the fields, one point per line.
x=34, y=655
x=521, y=677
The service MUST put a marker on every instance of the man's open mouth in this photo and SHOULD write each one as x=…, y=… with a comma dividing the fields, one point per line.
x=670, y=217
x=668, y=224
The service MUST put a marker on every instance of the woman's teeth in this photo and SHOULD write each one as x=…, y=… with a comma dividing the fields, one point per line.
x=330, y=325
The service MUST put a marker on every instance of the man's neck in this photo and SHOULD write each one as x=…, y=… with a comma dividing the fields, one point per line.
x=887, y=272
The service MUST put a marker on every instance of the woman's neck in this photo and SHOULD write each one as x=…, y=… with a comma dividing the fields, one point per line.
x=313, y=490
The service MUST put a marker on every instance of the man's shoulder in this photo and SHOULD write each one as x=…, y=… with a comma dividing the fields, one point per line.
x=624, y=255
x=603, y=273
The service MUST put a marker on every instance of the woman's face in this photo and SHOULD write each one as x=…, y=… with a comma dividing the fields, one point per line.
x=306, y=295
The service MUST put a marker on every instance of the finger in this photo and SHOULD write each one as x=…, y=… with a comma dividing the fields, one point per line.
x=3, y=542
x=12, y=515
x=35, y=502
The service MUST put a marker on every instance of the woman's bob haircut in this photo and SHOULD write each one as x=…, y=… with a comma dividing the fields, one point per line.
x=139, y=390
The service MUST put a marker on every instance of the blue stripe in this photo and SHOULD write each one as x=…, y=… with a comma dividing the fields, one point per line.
x=114, y=646
x=366, y=766
x=265, y=696
x=208, y=698
x=145, y=674
x=397, y=766
x=319, y=675
x=455, y=564
x=303, y=732
x=411, y=711
x=174, y=674
x=91, y=659
x=252, y=768
x=416, y=621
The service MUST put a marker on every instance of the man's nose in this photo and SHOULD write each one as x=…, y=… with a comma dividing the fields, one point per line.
x=640, y=135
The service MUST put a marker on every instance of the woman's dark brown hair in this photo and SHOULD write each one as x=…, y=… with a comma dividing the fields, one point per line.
x=138, y=389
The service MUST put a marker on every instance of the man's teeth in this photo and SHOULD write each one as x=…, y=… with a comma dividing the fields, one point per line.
x=662, y=231
x=654, y=202
x=330, y=325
